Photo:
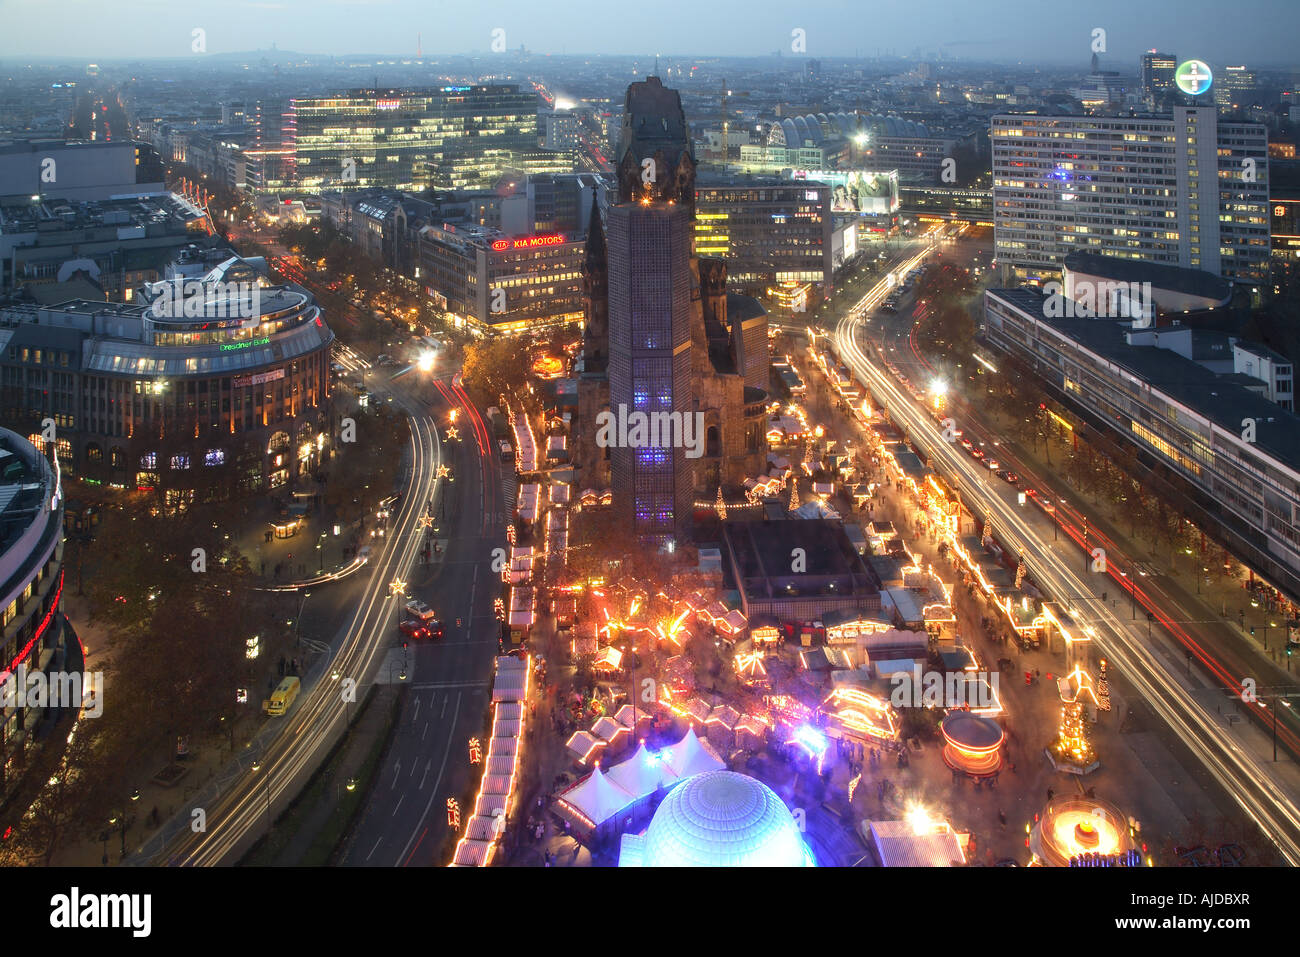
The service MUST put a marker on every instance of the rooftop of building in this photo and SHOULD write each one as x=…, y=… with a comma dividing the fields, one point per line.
x=26, y=480
x=1212, y=396
x=62, y=215
x=1191, y=282
x=763, y=549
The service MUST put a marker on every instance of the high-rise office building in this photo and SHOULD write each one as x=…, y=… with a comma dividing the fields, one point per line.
x=1186, y=188
x=1158, y=73
x=1234, y=87
x=451, y=138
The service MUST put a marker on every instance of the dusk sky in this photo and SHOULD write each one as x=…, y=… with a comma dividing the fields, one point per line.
x=1258, y=32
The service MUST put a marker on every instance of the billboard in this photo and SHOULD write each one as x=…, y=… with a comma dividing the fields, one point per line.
x=857, y=191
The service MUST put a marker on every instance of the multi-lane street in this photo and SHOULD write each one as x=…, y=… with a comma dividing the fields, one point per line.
x=1237, y=756
x=449, y=680
x=286, y=752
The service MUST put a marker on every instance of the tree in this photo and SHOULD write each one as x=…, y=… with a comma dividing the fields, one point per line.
x=494, y=367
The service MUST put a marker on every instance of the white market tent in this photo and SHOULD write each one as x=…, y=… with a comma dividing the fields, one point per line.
x=596, y=797
x=643, y=773
x=690, y=756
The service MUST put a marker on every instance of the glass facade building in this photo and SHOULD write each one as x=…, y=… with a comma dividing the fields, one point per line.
x=451, y=138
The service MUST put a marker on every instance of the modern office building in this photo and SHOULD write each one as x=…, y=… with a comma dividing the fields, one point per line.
x=1157, y=75
x=562, y=130
x=71, y=171
x=36, y=636
x=1234, y=86
x=1186, y=189
x=230, y=395
x=450, y=138
x=664, y=339
x=768, y=230
x=491, y=281
x=1204, y=407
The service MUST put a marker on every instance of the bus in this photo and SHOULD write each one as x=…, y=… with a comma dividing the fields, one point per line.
x=283, y=696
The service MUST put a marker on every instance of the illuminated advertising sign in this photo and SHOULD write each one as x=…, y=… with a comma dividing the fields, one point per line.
x=529, y=242
x=857, y=191
x=232, y=346
x=258, y=379
x=387, y=104
x=1193, y=77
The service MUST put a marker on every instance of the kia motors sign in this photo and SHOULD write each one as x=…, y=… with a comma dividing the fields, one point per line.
x=528, y=242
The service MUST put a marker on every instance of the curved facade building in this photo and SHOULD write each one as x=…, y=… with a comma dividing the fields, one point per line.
x=719, y=819
x=31, y=586
x=226, y=374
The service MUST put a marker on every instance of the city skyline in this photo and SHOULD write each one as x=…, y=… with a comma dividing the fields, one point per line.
x=1255, y=31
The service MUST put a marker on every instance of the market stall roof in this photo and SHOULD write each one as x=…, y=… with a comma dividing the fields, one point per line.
x=480, y=828
x=503, y=747
x=498, y=784
x=606, y=728
x=596, y=797
x=628, y=716
x=699, y=709
x=734, y=621
x=510, y=711
x=609, y=658
x=725, y=715
x=583, y=744
x=472, y=854
x=510, y=685
x=751, y=725
x=899, y=844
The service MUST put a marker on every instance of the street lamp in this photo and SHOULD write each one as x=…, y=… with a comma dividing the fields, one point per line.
x=297, y=622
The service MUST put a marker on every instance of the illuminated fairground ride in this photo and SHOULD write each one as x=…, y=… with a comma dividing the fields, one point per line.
x=972, y=744
x=1083, y=832
x=855, y=713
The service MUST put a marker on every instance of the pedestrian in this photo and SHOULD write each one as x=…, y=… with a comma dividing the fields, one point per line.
x=1050, y=795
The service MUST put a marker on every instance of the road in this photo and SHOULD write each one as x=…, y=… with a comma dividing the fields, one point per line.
x=1189, y=627
x=405, y=819
x=1236, y=756
x=282, y=758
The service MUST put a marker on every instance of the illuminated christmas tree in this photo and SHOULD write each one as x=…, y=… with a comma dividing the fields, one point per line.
x=1072, y=745
x=794, y=492
x=720, y=506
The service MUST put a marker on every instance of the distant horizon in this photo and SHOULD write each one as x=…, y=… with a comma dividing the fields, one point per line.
x=1258, y=33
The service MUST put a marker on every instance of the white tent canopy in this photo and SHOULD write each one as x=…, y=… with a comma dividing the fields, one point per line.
x=596, y=797
x=690, y=756
x=643, y=773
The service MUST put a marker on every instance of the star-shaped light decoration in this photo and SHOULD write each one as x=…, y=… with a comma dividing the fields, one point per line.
x=397, y=587
x=443, y=471
x=426, y=521
x=453, y=434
